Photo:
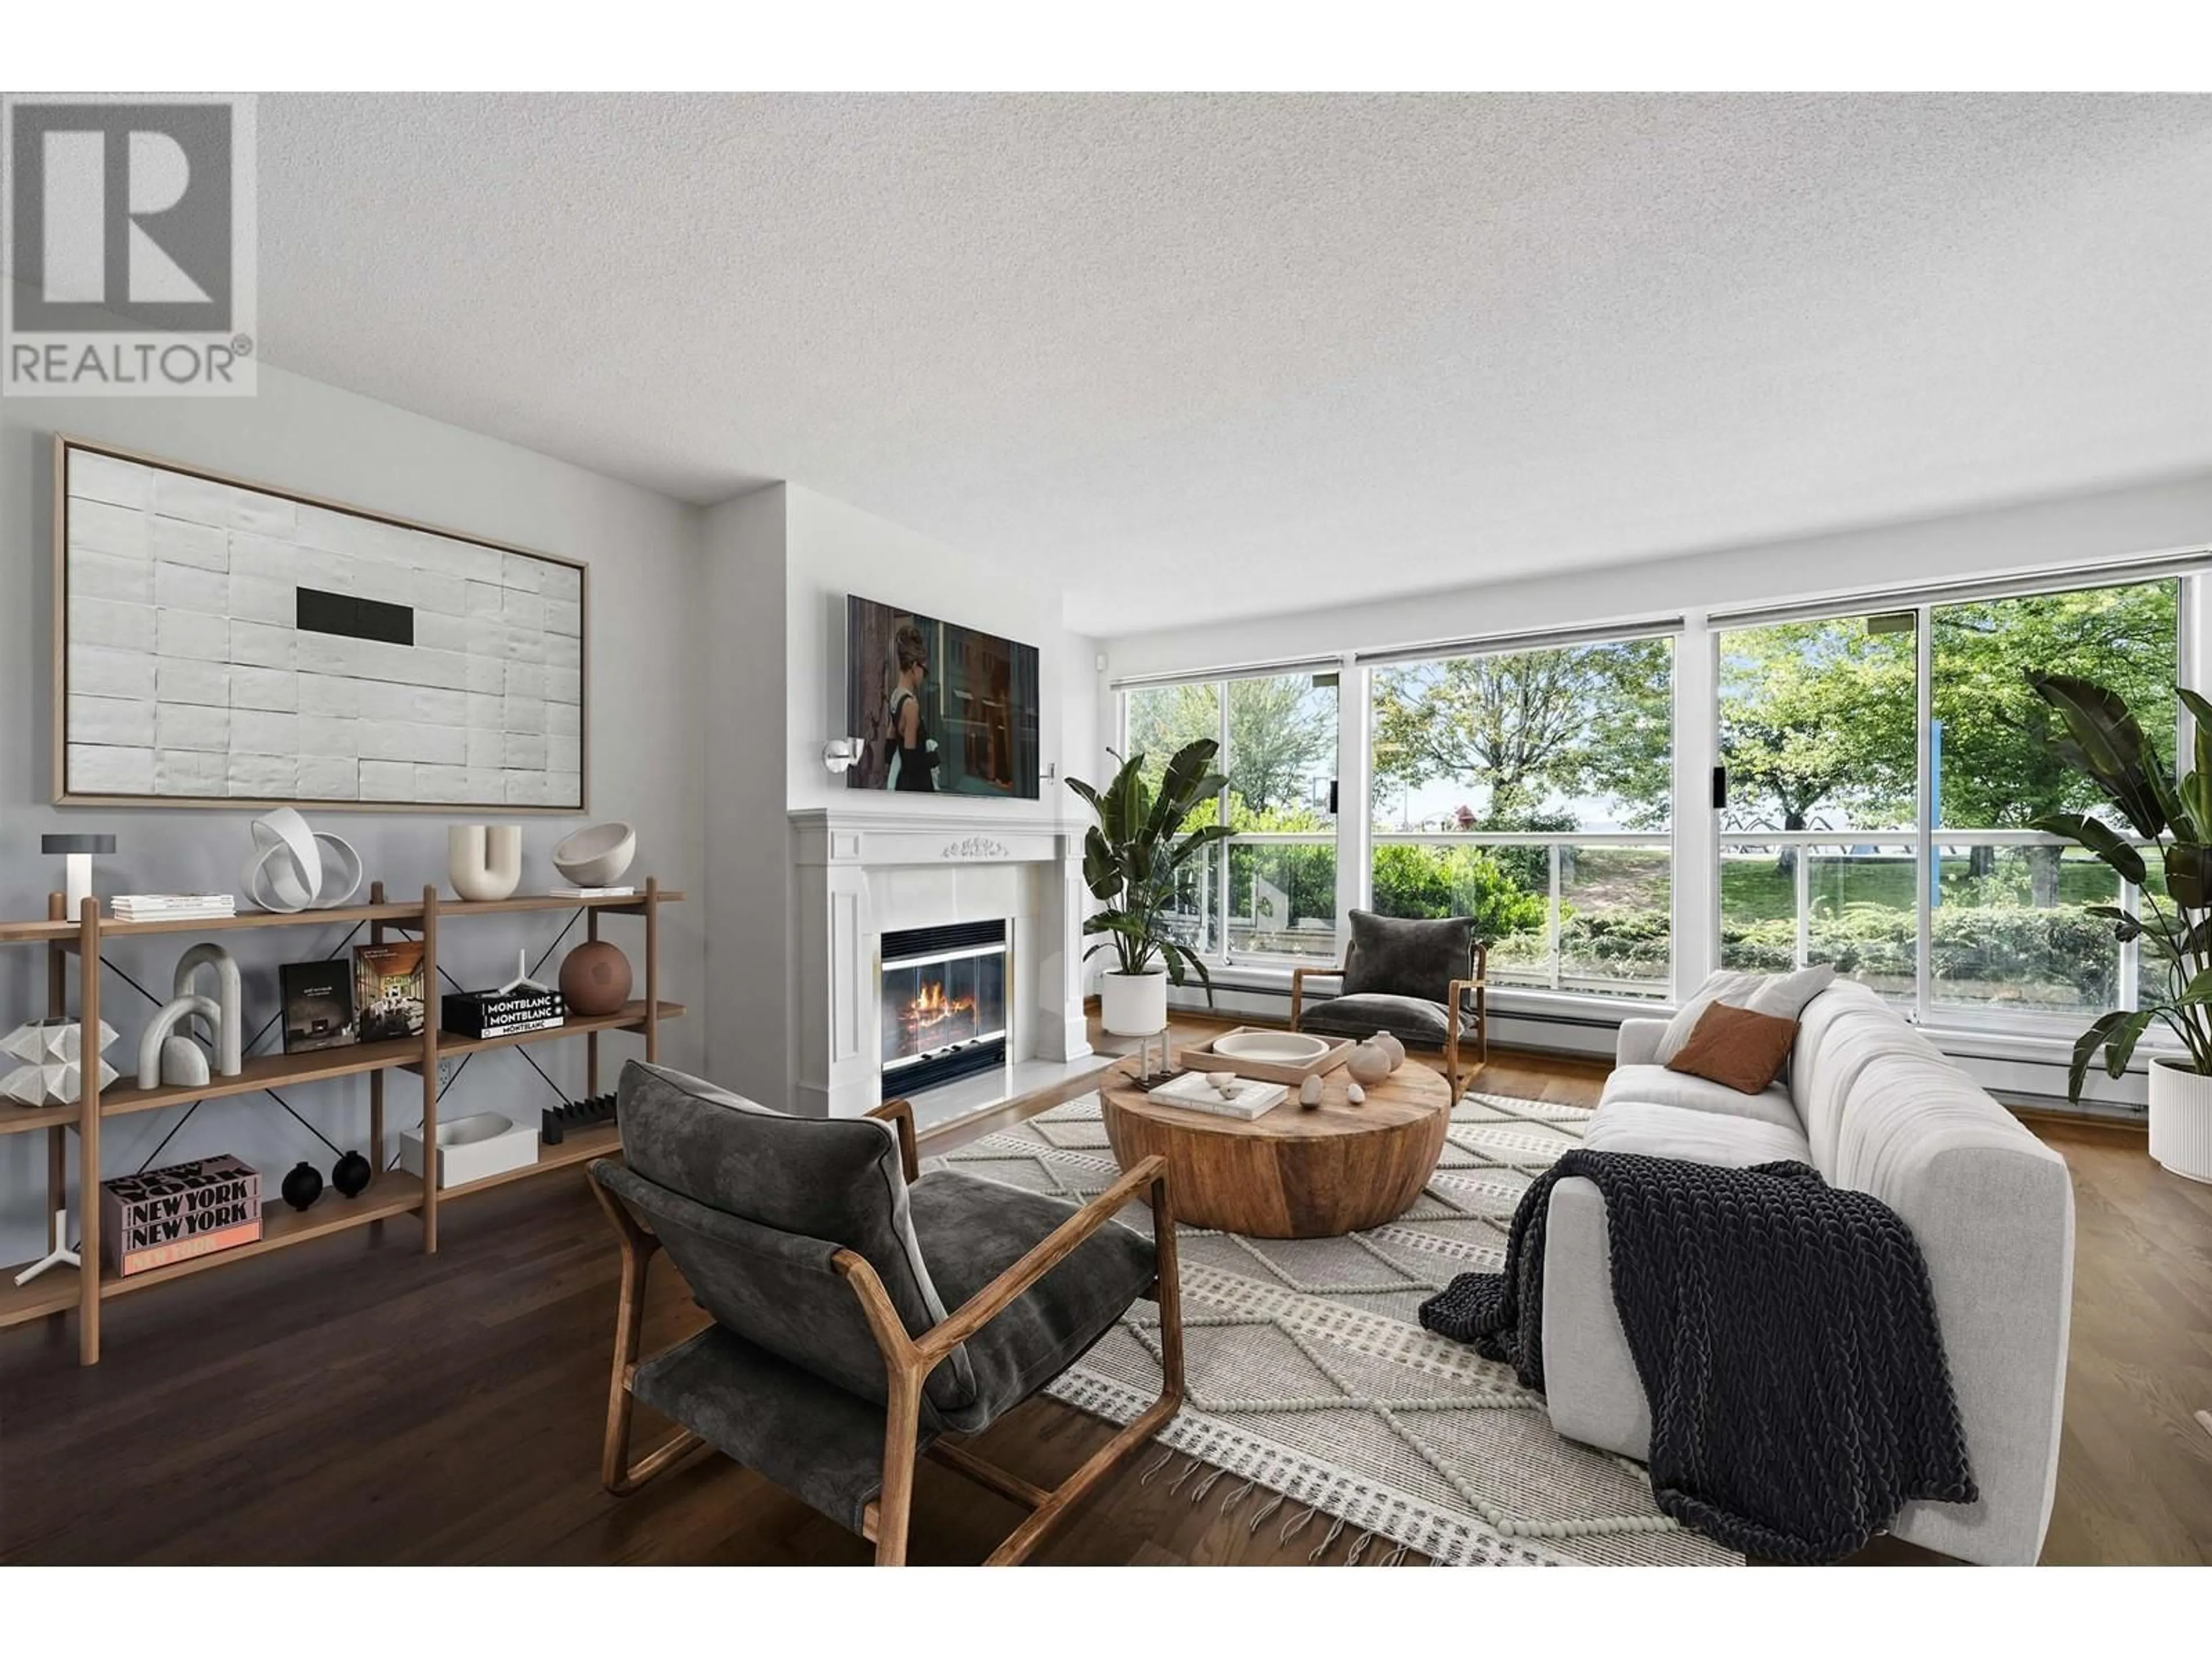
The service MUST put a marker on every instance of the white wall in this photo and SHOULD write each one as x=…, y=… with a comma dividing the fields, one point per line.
x=778, y=563
x=749, y=1022
x=645, y=734
x=836, y=550
x=2108, y=524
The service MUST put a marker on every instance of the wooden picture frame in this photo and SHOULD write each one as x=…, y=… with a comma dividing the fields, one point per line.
x=182, y=607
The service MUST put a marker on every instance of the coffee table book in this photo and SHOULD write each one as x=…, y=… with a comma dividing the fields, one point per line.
x=178, y=1214
x=1201, y=1057
x=1193, y=1091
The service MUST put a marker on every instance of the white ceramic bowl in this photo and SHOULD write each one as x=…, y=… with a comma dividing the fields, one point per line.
x=1280, y=1047
x=598, y=856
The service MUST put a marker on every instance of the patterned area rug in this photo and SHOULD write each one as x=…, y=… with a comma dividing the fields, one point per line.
x=1314, y=1397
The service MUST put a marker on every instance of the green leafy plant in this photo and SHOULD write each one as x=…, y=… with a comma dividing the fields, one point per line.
x=1133, y=853
x=2105, y=743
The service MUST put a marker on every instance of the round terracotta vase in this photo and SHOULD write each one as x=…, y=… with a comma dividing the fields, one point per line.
x=595, y=979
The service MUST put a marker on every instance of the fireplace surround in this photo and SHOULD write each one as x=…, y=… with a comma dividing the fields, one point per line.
x=868, y=871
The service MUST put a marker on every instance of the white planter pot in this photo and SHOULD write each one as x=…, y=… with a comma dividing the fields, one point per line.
x=1133, y=1004
x=2181, y=1121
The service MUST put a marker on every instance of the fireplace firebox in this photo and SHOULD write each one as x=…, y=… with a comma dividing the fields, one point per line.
x=944, y=1004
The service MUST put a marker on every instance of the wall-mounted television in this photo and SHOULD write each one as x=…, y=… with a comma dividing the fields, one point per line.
x=938, y=708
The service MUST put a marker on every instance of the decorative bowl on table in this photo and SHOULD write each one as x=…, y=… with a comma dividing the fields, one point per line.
x=1277, y=1047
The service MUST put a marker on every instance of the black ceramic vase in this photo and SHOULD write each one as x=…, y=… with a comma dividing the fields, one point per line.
x=303, y=1185
x=350, y=1174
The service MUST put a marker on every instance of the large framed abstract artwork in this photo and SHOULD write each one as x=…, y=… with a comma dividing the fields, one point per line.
x=223, y=643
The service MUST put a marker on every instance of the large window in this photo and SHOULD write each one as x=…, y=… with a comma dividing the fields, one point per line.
x=1880, y=772
x=1825, y=747
x=1270, y=890
x=1532, y=790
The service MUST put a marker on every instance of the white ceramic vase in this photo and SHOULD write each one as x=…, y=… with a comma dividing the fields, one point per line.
x=483, y=860
x=1133, y=1004
x=2181, y=1120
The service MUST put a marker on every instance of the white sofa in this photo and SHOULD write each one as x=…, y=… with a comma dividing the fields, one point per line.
x=1873, y=1106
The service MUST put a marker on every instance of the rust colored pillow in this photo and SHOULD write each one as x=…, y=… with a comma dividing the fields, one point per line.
x=1736, y=1047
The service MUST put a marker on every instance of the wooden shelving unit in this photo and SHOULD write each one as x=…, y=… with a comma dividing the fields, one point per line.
x=389, y=1193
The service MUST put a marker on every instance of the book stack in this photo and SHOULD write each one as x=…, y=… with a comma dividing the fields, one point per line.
x=502, y=1013
x=176, y=1214
x=561, y=891
x=173, y=907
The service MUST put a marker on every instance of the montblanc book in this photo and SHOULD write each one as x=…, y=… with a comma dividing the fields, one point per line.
x=502, y=1013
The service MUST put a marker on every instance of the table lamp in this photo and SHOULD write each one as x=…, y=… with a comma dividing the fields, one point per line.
x=78, y=850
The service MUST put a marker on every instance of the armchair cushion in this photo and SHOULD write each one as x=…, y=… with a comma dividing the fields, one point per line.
x=972, y=1231
x=1392, y=955
x=823, y=1446
x=1410, y=1019
x=836, y=1181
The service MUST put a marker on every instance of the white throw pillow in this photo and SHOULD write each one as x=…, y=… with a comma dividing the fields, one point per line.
x=1783, y=995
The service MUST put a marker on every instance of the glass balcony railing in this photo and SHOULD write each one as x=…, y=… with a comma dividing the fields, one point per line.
x=1565, y=911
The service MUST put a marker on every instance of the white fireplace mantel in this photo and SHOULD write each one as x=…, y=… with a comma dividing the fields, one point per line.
x=860, y=874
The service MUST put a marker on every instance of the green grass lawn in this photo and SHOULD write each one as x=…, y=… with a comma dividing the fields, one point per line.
x=1757, y=890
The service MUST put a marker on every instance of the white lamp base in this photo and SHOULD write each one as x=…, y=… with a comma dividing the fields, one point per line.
x=61, y=1256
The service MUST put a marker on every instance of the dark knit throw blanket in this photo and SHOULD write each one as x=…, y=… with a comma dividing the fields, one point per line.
x=1786, y=1336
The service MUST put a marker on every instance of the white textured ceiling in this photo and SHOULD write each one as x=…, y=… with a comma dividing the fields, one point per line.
x=1203, y=355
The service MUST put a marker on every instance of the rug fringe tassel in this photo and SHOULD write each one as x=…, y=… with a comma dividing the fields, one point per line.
x=1189, y=1469
x=1358, y=1548
x=1292, y=1529
x=1267, y=1508
x=1397, y=1556
x=1230, y=1503
x=1166, y=1458
x=1336, y=1532
x=1198, y=1492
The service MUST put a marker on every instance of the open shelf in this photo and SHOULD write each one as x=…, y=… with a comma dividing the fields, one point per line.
x=579, y=1146
x=394, y=1193
x=396, y=914
x=288, y=1071
x=391, y=1193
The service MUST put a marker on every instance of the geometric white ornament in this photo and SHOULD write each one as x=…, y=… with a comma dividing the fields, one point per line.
x=288, y=871
x=55, y=1075
x=43, y=1041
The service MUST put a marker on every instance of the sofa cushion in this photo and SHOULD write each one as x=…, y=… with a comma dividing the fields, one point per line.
x=1783, y=995
x=1662, y=1087
x=1845, y=1028
x=1394, y=955
x=1738, y=1047
x=1694, y=1137
x=972, y=1232
x=1413, y=1019
x=836, y=1180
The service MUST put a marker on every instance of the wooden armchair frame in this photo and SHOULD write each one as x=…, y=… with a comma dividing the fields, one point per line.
x=908, y=1360
x=1478, y=985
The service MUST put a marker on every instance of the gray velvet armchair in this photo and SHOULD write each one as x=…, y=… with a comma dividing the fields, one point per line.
x=864, y=1314
x=1424, y=980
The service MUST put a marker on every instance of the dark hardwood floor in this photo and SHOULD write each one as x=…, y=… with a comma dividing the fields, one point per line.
x=353, y=1402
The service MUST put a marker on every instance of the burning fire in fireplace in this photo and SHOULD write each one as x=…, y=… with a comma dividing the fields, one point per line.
x=933, y=1016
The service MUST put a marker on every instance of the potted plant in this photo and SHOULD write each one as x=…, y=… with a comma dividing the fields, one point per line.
x=2104, y=742
x=1131, y=857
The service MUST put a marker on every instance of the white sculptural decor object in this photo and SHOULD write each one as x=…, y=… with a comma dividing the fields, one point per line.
x=53, y=1052
x=167, y=1054
x=598, y=856
x=295, y=868
x=483, y=860
x=60, y=1256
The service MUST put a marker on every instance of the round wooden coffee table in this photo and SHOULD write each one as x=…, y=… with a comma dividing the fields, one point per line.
x=1289, y=1173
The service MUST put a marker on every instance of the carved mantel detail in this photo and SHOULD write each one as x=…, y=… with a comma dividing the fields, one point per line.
x=975, y=847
